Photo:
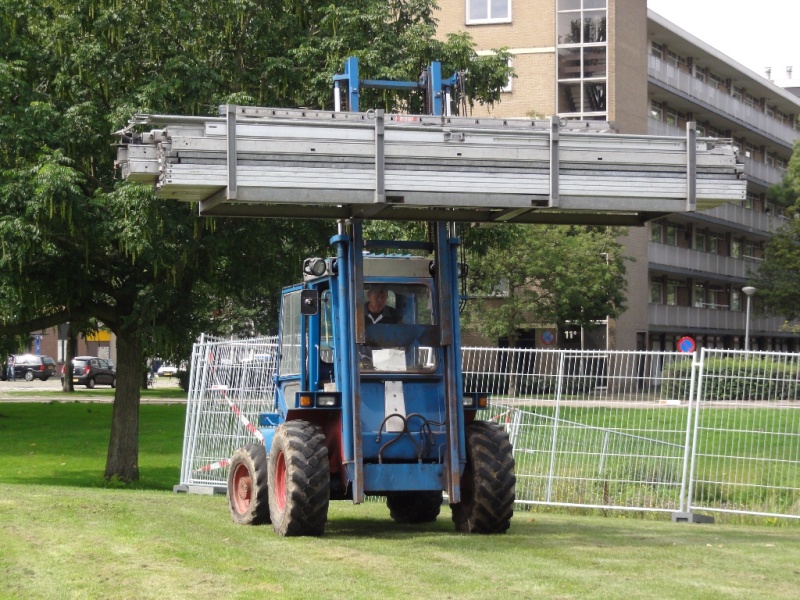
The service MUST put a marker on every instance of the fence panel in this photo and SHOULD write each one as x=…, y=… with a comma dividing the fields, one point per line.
x=746, y=449
x=591, y=429
x=231, y=383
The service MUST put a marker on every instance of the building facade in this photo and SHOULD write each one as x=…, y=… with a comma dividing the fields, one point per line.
x=52, y=342
x=617, y=61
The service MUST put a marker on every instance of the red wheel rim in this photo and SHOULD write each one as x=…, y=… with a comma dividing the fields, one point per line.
x=280, y=481
x=242, y=489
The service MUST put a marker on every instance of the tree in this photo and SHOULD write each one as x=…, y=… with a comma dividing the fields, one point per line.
x=779, y=273
x=546, y=275
x=79, y=246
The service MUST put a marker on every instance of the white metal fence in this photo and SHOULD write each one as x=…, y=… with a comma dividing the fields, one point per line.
x=230, y=384
x=655, y=431
x=746, y=447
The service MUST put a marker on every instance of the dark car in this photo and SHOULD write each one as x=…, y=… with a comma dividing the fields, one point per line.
x=91, y=371
x=32, y=366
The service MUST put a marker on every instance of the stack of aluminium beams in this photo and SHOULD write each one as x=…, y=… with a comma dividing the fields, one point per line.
x=290, y=162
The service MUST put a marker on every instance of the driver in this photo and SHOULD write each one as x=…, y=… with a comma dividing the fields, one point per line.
x=376, y=309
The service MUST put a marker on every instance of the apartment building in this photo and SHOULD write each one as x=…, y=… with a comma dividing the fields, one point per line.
x=616, y=60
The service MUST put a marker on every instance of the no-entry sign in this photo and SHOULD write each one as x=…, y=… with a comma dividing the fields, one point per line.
x=686, y=344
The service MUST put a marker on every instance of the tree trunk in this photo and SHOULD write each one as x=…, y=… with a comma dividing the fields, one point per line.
x=123, y=448
x=72, y=349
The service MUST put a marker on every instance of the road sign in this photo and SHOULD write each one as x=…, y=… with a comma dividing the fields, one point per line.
x=548, y=337
x=686, y=344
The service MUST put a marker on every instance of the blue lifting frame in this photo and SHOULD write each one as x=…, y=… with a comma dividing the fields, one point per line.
x=439, y=90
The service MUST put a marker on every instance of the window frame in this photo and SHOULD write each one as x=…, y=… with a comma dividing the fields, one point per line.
x=489, y=18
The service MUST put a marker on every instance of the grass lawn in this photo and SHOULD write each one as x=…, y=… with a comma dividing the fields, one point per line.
x=65, y=534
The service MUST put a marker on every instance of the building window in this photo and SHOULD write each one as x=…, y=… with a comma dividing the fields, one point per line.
x=699, y=295
x=736, y=248
x=715, y=81
x=672, y=292
x=656, y=232
x=736, y=300
x=488, y=11
x=672, y=233
x=718, y=298
x=655, y=292
x=656, y=112
x=700, y=240
x=582, y=56
x=657, y=50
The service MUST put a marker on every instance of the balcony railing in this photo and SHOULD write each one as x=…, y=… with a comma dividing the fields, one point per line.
x=753, y=169
x=722, y=102
x=741, y=216
x=688, y=318
x=684, y=258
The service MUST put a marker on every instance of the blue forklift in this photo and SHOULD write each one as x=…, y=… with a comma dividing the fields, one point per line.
x=369, y=394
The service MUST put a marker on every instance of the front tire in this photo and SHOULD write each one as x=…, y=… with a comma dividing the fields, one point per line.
x=28, y=375
x=248, y=492
x=113, y=382
x=299, y=480
x=414, y=507
x=488, y=482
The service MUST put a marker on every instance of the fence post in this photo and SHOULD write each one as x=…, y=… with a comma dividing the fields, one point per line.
x=553, y=448
x=684, y=514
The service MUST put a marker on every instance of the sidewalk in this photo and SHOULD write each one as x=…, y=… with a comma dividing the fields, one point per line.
x=25, y=391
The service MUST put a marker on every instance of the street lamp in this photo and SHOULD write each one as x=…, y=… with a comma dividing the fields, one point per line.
x=748, y=290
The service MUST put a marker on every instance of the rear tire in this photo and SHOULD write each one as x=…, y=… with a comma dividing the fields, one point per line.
x=488, y=482
x=113, y=382
x=90, y=383
x=299, y=480
x=248, y=492
x=414, y=507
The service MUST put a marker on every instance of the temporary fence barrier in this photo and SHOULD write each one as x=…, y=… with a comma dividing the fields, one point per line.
x=230, y=384
x=645, y=431
x=746, y=446
x=591, y=429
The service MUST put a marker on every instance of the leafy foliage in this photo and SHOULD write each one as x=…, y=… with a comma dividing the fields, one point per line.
x=546, y=275
x=78, y=246
x=778, y=275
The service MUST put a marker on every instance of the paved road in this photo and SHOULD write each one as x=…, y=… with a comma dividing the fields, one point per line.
x=7, y=389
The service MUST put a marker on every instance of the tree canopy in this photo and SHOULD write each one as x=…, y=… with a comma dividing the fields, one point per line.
x=80, y=246
x=546, y=275
x=778, y=276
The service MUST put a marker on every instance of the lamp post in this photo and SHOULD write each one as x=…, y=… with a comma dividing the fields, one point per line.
x=748, y=290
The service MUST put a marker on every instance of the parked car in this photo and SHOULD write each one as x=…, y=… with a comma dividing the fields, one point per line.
x=167, y=371
x=32, y=366
x=91, y=371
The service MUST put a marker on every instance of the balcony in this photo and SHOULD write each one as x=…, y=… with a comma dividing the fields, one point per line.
x=707, y=265
x=742, y=218
x=761, y=173
x=688, y=319
x=755, y=171
x=720, y=102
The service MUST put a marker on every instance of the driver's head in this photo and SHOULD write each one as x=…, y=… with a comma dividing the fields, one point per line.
x=376, y=298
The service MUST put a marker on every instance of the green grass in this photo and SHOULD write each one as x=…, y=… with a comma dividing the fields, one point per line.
x=65, y=534
x=67, y=443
